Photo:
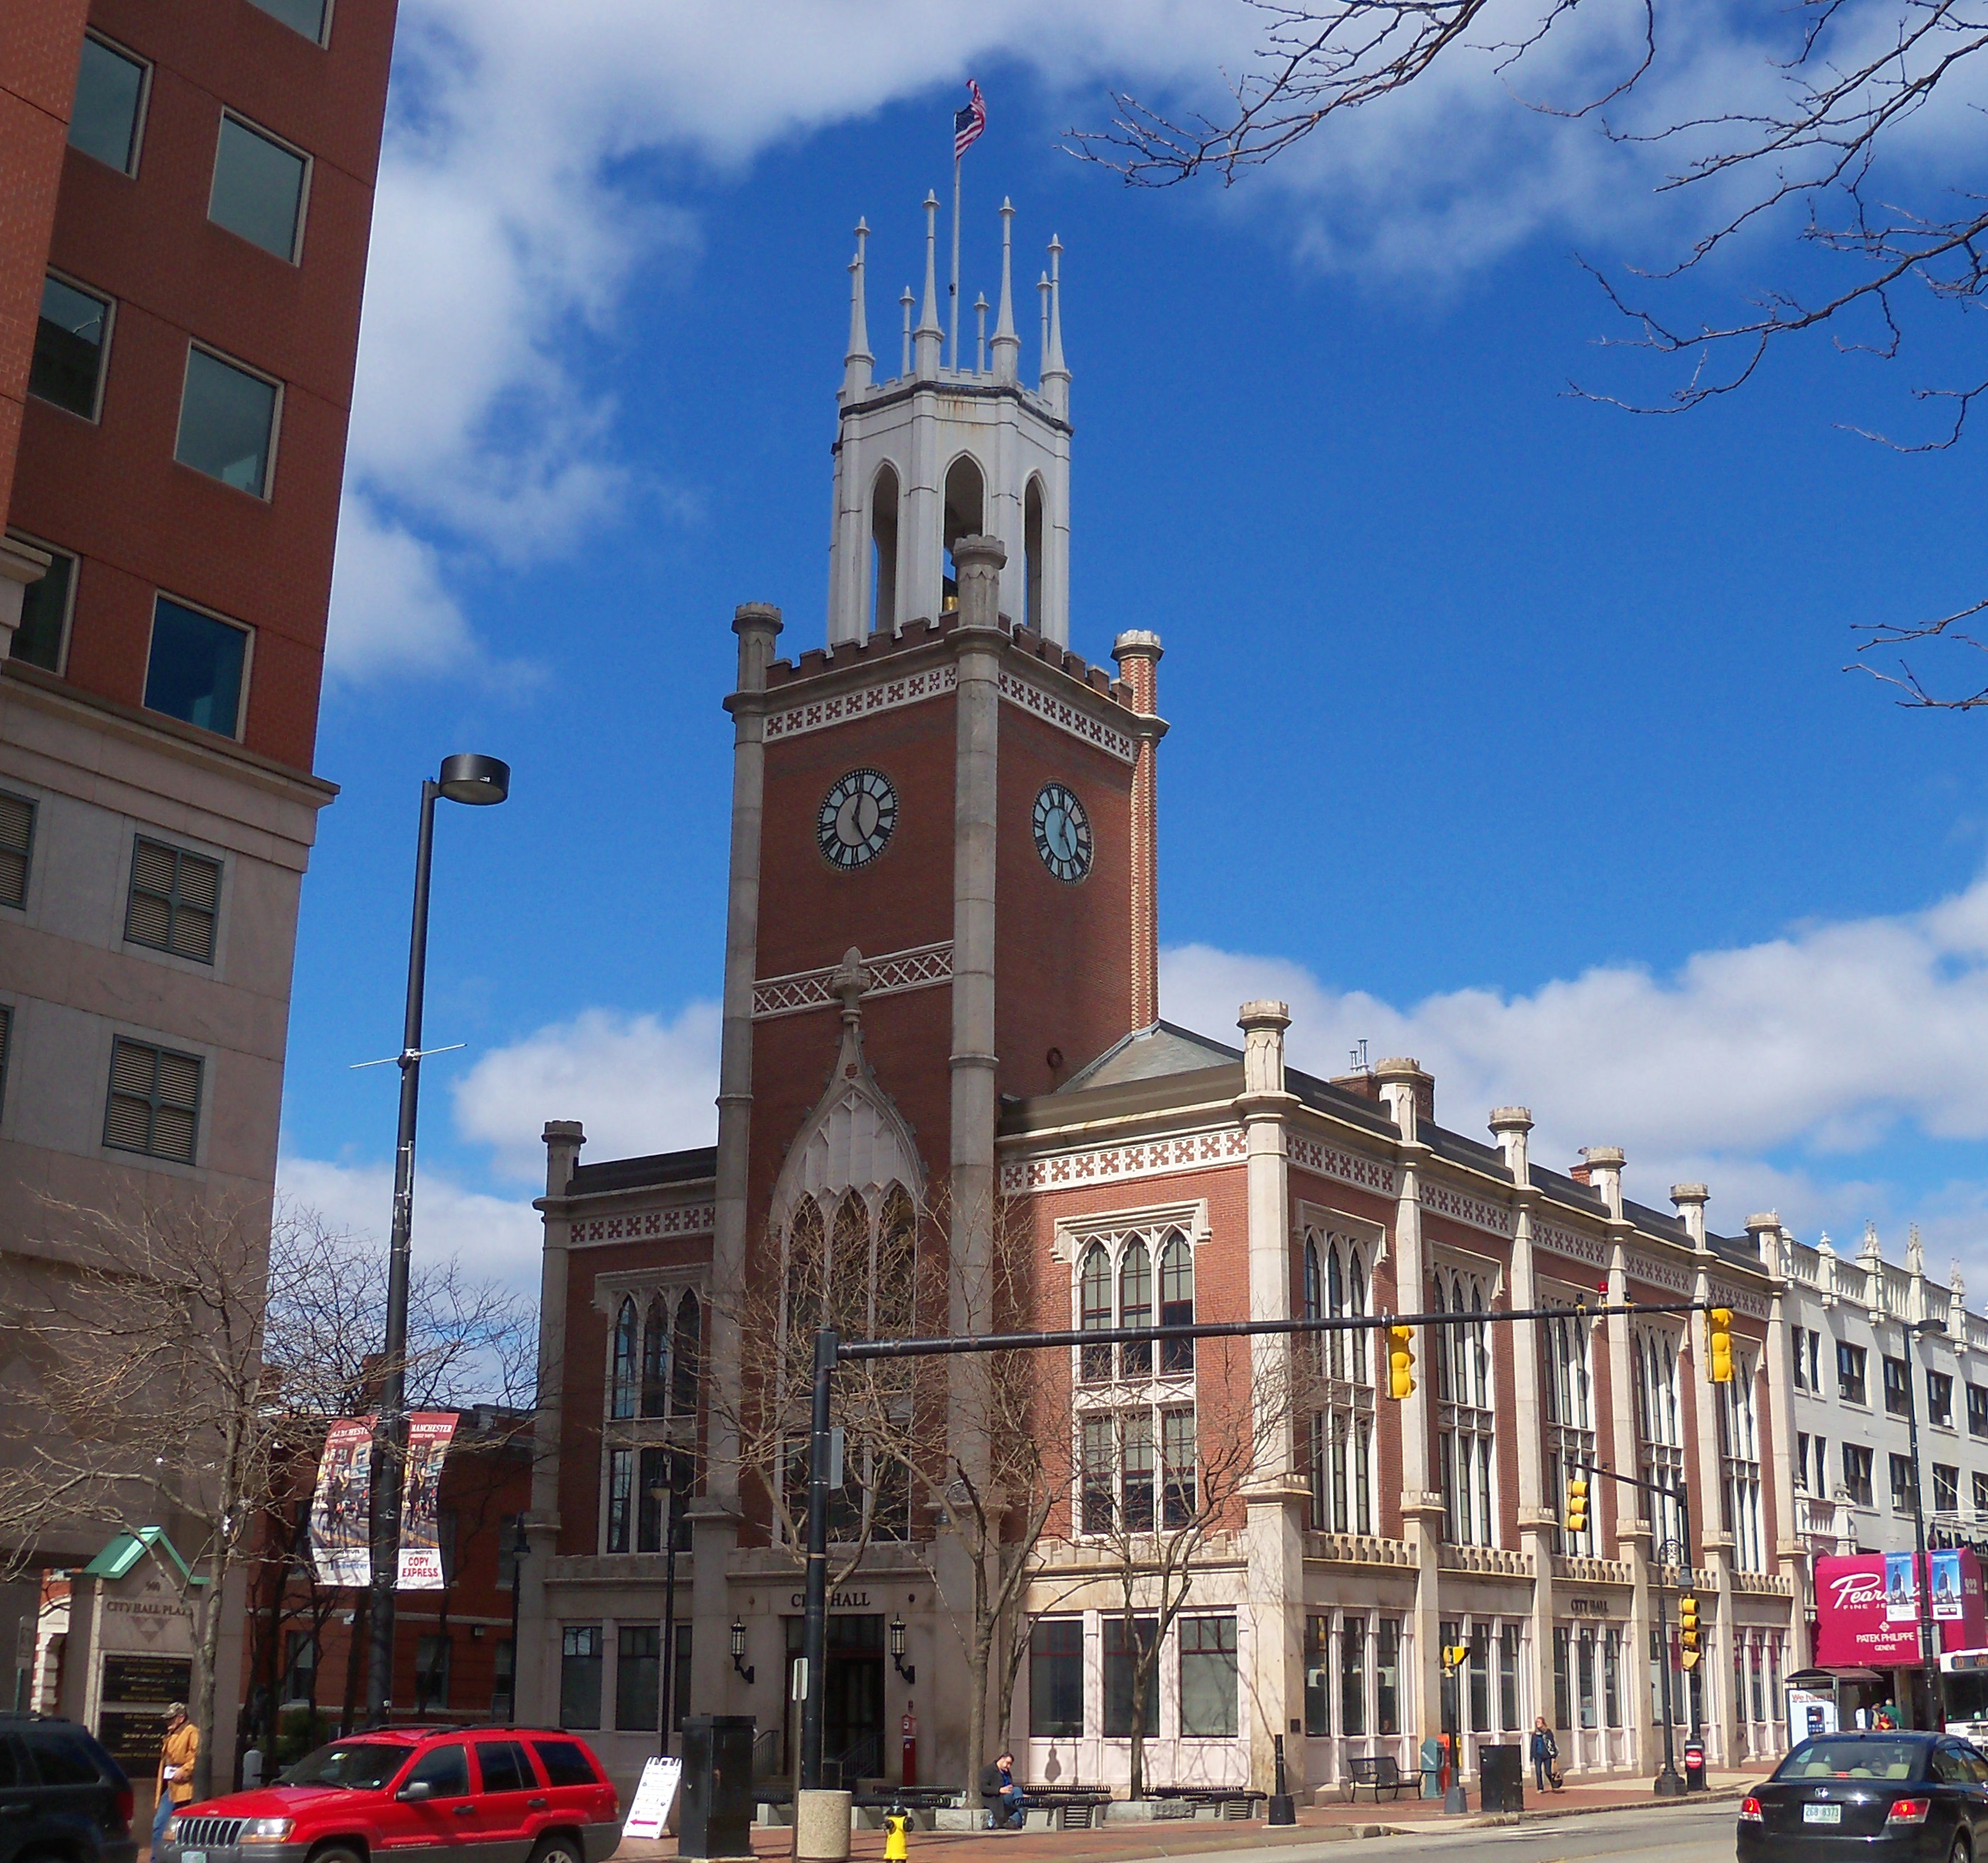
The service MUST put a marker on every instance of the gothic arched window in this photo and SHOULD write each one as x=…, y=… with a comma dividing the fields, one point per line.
x=1032, y=554
x=884, y=551
x=687, y=1357
x=849, y=1277
x=1176, y=1304
x=622, y=1387
x=1094, y=1311
x=1466, y=1425
x=655, y=1359
x=965, y=506
x=896, y=1264
x=1135, y=1307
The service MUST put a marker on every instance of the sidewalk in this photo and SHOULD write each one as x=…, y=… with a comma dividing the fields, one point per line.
x=1316, y=1824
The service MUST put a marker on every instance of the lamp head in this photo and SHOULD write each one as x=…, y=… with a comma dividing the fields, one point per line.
x=738, y=1637
x=477, y=781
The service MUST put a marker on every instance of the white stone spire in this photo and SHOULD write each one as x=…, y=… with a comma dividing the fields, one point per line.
x=980, y=346
x=856, y=365
x=929, y=335
x=1043, y=295
x=1055, y=373
x=1007, y=344
x=907, y=301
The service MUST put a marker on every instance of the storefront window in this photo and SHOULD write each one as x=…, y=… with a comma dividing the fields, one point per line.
x=1583, y=1675
x=1480, y=1679
x=1387, y=1675
x=1353, y=1676
x=1612, y=1677
x=1508, y=1679
x=1055, y=1679
x=1317, y=1680
x=1561, y=1717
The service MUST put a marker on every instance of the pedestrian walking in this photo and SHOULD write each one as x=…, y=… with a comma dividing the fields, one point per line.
x=1545, y=1752
x=177, y=1754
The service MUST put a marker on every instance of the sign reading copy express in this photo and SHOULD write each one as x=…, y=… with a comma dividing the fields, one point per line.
x=1857, y=1628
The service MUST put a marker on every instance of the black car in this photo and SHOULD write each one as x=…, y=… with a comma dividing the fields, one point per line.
x=1883, y=1797
x=61, y=1795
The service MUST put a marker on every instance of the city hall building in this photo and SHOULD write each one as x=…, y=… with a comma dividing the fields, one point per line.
x=944, y=1068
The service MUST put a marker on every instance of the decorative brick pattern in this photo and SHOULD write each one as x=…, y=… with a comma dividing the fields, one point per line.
x=647, y=1225
x=886, y=695
x=1067, y=717
x=1349, y=1167
x=921, y=967
x=1660, y=1274
x=1117, y=1164
x=1725, y=1294
x=1556, y=1241
x=1442, y=1200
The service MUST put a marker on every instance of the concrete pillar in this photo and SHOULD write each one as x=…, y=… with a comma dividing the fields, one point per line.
x=1138, y=653
x=1422, y=1498
x=1790, y=1555
x=1275, y=1500
x=20, y=564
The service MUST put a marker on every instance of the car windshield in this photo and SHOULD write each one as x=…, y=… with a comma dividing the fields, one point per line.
x=1828, y=1758
x=364, y=1765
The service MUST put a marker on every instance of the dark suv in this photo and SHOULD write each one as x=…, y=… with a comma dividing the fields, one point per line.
x=62, y=1798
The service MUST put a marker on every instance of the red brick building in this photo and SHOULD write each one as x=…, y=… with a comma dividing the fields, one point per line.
x=186, y=190
x=940, y=1019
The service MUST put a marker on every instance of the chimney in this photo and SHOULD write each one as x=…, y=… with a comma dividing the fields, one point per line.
x=1604, y=1174
x=1691, y=1199
x=1137, y=652
x=563, y=1139
x=1408, y=1093
x=1511, y=1125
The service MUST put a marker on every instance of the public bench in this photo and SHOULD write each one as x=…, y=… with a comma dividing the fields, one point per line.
x=1226, y=1804
x=1379, y=1772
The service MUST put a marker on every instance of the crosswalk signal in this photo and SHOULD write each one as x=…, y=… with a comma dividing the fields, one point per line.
x=1721, y=1320
x=1401, y=1362
x=1456, y=1656
x=1687, y=1627
x=1576, y=1504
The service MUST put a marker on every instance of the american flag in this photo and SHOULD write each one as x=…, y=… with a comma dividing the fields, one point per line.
x=968, y=123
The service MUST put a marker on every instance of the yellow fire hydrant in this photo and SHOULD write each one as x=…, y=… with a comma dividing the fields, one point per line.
x=895, y=1824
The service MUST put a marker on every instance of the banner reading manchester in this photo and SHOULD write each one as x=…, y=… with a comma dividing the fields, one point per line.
x=341, y=1520
x=428, y=1433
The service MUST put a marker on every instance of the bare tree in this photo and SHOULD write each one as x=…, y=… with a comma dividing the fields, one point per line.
x=188, y=1361
x=1835, y=160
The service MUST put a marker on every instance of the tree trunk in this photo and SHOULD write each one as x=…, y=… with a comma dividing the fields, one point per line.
x=206, y=1684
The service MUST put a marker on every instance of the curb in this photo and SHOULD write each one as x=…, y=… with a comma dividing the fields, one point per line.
x=1498, y=1819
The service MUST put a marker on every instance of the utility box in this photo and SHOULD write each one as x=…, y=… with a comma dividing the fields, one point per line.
x=1500, y=1779
x=1694, y=1766
x=715, y=1816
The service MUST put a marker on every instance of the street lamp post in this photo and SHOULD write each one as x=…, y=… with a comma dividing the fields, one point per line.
x=521, y=1550
x=476, y=780
x=667, y=1500
x=1922, y=1578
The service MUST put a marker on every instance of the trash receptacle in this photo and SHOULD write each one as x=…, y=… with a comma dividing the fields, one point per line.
x=1500, y=1779
x=1694, y=1766
x=716, y=1818
x=1433, y=1780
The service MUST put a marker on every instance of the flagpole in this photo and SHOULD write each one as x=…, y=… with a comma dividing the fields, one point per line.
x=954, y=287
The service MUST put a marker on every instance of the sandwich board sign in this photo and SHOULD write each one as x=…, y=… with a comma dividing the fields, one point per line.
x=649, y=1816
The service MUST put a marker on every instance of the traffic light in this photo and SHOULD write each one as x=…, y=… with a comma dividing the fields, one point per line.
x=1577, y=1503
x=1401, y=1362
x=1687, y=1626
x=1456, y=1656
x=1720, y=1322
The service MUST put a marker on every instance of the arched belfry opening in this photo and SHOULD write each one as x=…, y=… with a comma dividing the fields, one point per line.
x=965, y=516
x=884, y=551
x=1032, y=554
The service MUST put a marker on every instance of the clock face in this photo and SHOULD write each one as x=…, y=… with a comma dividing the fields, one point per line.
x=1063, y=832
x=856, y=818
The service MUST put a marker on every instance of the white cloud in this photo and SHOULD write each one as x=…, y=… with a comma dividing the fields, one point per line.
x=638, y=1084
x=496, y=1236
x=1820, y=1045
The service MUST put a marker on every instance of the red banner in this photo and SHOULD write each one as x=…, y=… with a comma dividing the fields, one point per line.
x=1867, y=1608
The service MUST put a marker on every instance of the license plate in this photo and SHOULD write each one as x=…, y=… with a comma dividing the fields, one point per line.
x=1811, y=1814
x=193, y=1856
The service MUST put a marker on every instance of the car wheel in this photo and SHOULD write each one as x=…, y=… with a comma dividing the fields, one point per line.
x=557, y=1849
x=1960, y=1853
x=337, y=1853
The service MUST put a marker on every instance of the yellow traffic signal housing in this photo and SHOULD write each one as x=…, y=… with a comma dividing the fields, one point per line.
x=1688, y=1659
x=1688, y=1625
x=1401, y=1362
x=1576, y=1504
x=1456, y=1655
x=1720, y=1322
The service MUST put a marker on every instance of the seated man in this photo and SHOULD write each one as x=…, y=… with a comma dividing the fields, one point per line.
x=1001, y=1795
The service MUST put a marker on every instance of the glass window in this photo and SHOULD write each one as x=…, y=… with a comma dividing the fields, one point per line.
x=1118, y=1667
x=110, y=92
x=621, y=1385
x=1387, y=1675
x=1208, y=1678
x=1562, y=1693
x=195, y=670
x=1583, y=1675
x=1856, y=1473
x=45, y=609
x=1176, y=1304
x=1801, y=1461
x=620, y=1498
x=689, y=1358
x=1981, y=1494
x=1135, y=1308
x=638, y=1669
x=1946, y=1489
x=67, y=364
x=17, y=842
x=1317, y=1678
x=228, y=421
x=1055, y=1679
x=580, y=1683
x=1611, y=1678
x=304, y=16
x=154, y=1102
x=1904, y=1482
x=1508, y=1718
x=1480, y=1679
x=1353, y=1676
x=1094, y=1313
x=431, y=1675
x=1898, y=1387
x=1939, y=1399
x=174, y=898
x=565, y=1761
x=1850, y=1373
x=503, y=1674
x=258, y=189
x=1977, y=1410
x=505, y=1767
x=443, y=1769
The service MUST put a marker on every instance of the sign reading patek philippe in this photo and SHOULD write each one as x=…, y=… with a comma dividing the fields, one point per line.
x=1868, y=1608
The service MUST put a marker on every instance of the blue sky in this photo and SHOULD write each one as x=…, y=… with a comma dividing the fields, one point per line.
x=1509, y=729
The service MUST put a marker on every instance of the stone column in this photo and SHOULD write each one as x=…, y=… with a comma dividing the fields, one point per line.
x=534, y=1696
x=1138, y=653
x=1539, y=1511
x=1275, y=1500
x=1790, y=1555
x=20, y=564
x=1422, y=1498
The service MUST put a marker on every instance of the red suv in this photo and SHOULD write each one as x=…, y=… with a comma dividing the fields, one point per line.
x=492, y=1795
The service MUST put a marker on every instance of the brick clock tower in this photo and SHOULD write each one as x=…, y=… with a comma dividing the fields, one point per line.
x=943, y=835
